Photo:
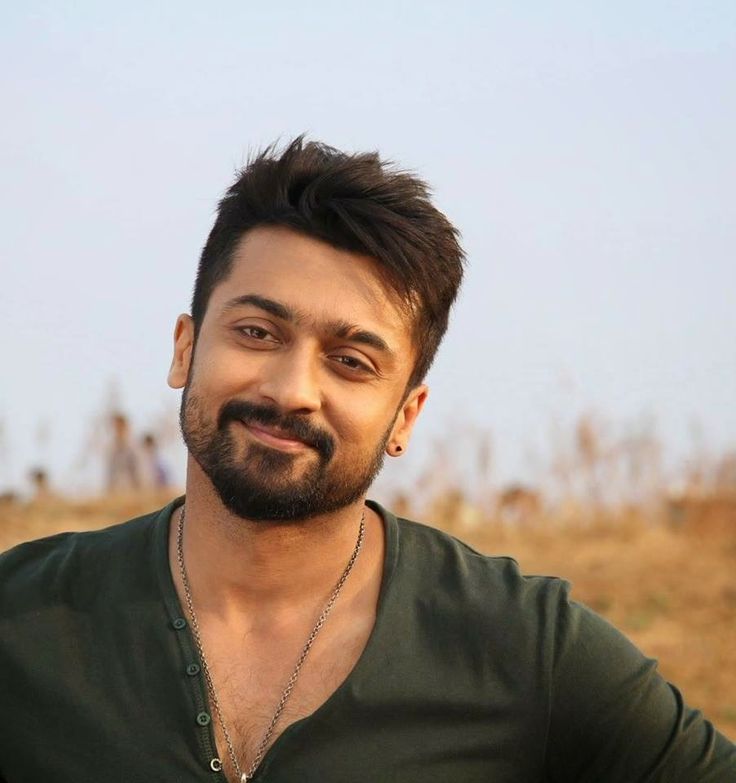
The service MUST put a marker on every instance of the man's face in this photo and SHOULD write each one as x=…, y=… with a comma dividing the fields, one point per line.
x=298, y=381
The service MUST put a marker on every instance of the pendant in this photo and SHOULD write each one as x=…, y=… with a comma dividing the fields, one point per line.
x=244, y=778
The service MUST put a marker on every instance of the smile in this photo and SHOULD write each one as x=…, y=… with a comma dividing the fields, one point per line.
x=273, y=438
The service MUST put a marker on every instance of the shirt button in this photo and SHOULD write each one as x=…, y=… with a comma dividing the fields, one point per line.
x=179, y=623
x=203, y=718
x=193, y=669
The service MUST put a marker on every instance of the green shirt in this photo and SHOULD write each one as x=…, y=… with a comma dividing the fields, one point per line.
x=472, y=673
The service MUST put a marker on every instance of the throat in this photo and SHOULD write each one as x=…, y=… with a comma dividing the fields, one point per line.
x=246, y=568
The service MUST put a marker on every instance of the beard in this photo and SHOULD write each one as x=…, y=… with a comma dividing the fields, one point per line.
x=260, y=483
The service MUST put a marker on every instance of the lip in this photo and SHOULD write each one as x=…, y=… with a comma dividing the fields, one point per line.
x=272, y=438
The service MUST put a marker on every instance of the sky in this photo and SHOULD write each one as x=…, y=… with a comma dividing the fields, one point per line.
x=584, y=150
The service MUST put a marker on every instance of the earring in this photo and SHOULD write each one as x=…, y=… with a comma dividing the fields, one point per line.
x=397, y=450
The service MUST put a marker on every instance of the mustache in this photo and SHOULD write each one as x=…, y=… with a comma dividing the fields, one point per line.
x=291, y=425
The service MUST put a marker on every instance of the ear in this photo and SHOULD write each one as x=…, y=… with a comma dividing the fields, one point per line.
x=183, y=348
x=405, y=420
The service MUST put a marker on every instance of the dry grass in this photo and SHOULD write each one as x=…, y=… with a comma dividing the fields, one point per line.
x=672, y=591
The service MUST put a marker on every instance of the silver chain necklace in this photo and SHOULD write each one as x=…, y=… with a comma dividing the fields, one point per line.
x=216, y=764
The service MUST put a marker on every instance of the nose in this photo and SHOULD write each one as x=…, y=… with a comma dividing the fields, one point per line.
x=290, y=381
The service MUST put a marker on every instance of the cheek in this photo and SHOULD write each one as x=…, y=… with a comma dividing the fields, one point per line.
x=221, y=371
x=362, y=426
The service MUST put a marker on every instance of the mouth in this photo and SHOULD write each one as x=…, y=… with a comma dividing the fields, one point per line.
x=271, y=436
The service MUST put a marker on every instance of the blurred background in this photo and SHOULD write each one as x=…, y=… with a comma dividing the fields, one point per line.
x=582, y=412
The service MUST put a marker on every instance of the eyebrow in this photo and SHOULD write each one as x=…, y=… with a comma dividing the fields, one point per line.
x=269, y=305
x=342, y=329
x=348, y=331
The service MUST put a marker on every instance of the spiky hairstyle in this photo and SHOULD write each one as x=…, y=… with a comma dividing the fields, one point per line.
x=354, y=202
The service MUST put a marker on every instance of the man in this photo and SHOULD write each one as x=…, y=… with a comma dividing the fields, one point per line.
x=155, y=472
x=273, y=624
x=123, y=470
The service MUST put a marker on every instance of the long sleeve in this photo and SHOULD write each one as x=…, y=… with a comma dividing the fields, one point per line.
x=614, y=718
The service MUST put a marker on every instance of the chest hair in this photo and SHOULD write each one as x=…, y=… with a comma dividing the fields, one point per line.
x=250, y=680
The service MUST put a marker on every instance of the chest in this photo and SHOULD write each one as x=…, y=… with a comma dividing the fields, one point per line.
x=263, y=685
x=125, y=708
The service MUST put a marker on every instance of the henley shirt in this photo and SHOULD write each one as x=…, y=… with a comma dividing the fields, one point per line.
x=473, y=672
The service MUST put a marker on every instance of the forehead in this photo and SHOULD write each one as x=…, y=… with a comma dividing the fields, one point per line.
x=314, y=279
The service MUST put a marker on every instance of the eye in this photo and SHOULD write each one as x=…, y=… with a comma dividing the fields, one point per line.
x=351, y=363
x=255, y=333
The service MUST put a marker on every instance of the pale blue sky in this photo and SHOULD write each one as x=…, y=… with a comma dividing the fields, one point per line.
x=584, y=149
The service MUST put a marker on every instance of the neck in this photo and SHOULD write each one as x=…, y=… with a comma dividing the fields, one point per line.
x=239, y=567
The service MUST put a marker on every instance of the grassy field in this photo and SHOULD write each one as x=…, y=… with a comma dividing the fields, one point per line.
x=672, y=591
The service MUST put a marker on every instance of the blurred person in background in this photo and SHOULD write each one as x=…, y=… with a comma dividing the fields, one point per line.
x=40, y=483
x=154, y=471
x=123, y=461
x=273, y=624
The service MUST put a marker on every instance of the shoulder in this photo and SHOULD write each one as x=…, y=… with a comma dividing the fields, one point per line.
x=446, y=557
x=64, y=565
x=489, y=593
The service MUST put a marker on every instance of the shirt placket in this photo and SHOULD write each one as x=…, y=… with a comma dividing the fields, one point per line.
x=197, y=686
